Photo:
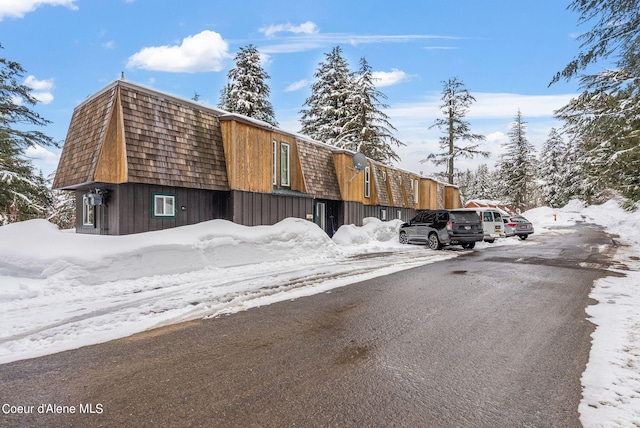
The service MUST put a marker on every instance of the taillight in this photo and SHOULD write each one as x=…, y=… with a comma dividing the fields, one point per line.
x=449, y=225
x=511, y=225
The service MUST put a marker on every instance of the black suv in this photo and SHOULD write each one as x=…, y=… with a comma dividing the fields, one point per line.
x=438, y=228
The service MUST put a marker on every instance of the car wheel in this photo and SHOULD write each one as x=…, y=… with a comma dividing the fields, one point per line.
x=469, y=246
x=490, y=241
x=523, y=237
x=403, y=238
x=433, y=242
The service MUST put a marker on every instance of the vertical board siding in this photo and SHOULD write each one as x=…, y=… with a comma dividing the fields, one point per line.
x=256, y=209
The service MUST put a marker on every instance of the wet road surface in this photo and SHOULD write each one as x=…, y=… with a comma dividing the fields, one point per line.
x=494, y=338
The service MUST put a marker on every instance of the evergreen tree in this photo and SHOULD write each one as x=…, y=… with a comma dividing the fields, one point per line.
x=247, y=92
x=486, y=184
x=62, y=209
x=366, y=128
x=517, y=167
x=555, y=171
x=605, y=118
x=330, y=100
x=456, y=101
x=23, y=193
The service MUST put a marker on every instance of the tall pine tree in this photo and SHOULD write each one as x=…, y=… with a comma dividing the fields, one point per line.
x=518, y=166
x=367, y=128
x=329, y=101
x=247, y=92
x=456, y=101
x=23, y=193
x=555, y=170
x=605, y=118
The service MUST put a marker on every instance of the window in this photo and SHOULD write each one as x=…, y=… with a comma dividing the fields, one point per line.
x=399, y=214
x=164, y=205
x=384, y=176
x=285, y=164
x=383, y=214
x=275, y=162
x=415, y=191
x=88, y=212
x=367, y=182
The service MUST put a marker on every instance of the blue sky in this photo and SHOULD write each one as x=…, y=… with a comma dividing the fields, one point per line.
x=504, y=51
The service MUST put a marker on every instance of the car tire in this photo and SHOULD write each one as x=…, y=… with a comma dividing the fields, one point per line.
x=433, y=242
x=403, y=238
x=469, y=246
x=523, y=237
x=490, y=241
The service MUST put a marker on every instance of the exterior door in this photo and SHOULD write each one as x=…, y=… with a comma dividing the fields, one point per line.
x=321, y=215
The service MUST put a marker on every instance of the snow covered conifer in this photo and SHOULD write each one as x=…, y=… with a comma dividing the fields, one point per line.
x=605, y=117
x=367, y=129
x=22, y=192
x=330, y=99
x=517, y=167
x=555, y=170
x=247, y=92
x=456, y=101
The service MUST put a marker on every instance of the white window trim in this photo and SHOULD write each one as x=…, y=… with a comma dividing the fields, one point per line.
x=416, y=192
x=88, y=213
x=367, y=182
x=275, y=163
x=285, y=164
x=160, y=205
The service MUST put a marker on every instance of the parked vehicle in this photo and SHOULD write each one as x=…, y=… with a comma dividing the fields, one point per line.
x=492, y=223
x=437, y=228
x=517, y=225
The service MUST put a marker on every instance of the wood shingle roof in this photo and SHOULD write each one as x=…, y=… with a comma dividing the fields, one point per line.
x=319, y=170
x=167, y=141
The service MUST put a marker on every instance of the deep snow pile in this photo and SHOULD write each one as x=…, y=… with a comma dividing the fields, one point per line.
x=60, y=290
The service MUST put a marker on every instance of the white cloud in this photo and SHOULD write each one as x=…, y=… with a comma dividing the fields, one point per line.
x=296, y=85
x=110, y=44
x=19, y=8
x=500, y=105
x=388, y=78
x=206, y=51
x=41, y=89
x=307, y=42
x=304, y=28
x=42, y=159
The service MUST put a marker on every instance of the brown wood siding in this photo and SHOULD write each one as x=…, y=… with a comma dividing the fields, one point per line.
x=319, y=171
x=427, y=197
x=440, y=200
x=452, y=197
x=170, y=143
x=248, y=153
x=351, y=182
x=297, y=182
x=255, y=209
x=83, y=141
x=112, y=163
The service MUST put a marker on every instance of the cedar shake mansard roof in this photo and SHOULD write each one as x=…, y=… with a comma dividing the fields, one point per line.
x=318, y=170
x=129, y=134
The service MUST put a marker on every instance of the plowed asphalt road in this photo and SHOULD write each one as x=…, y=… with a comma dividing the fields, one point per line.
x=494, y=338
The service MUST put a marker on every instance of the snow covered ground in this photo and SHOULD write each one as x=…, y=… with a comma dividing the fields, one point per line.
x=60, y=290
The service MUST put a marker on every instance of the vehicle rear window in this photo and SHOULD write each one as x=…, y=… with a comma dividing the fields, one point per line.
x=463, y=216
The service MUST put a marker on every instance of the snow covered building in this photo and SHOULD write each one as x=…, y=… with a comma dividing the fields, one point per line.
x=141, y=160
